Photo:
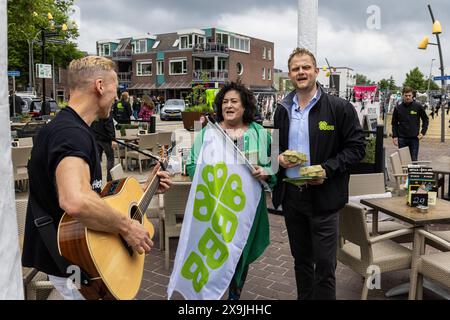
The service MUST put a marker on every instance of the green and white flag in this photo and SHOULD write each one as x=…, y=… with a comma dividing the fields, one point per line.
x=219, y=215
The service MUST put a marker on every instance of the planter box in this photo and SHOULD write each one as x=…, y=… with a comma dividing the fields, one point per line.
x=189, y=118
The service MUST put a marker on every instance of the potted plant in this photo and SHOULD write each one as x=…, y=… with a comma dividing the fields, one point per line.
x=200, y=106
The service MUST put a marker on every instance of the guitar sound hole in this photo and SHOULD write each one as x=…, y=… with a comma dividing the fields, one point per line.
x=136, y=215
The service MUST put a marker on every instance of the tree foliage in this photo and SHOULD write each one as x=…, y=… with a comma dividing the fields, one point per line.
x=415, y=80
x=362, y=80
x=24, y=26
x=387, y=84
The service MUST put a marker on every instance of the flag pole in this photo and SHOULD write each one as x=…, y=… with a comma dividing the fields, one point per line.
x=247, y=163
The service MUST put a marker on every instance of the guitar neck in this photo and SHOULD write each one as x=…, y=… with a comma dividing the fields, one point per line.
x=153, y=183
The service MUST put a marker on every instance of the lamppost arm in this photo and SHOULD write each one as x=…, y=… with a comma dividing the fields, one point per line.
x=443, y=82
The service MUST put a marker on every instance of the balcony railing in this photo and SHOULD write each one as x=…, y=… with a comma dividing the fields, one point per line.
x=122, y=55
x=211, y=47
x=210, y=75
x=124, y=76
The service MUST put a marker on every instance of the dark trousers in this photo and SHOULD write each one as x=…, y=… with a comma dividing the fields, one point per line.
x=104, y=146
x=313, y=241
x=413, y=144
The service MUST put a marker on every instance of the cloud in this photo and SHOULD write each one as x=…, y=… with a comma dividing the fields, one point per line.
x=343, y=34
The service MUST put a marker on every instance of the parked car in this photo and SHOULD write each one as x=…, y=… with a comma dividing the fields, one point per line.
x=172, y=109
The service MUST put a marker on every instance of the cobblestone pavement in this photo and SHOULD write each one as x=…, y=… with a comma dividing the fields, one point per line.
x=272, y=275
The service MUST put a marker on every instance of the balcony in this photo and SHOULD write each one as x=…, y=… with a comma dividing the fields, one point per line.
x=124, y=77
x=210, y=75
x=210, y=49
x=122, y=55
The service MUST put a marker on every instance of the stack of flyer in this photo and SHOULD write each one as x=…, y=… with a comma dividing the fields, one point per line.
x=421, y=186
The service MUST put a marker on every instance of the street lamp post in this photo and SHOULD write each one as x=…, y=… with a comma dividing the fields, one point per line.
x=437, y=29
x=429, y=82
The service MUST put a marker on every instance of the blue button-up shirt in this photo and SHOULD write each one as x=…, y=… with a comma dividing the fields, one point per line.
x=299, y=131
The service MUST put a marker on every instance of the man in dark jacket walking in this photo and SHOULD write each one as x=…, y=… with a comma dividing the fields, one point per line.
x=325, y=128
x=104, y=134
x=406, y=123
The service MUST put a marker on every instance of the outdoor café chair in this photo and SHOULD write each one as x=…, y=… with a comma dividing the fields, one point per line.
x=363, y=253
x=435, y=266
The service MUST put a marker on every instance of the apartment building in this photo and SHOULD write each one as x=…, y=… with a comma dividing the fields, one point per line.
x=170, y=64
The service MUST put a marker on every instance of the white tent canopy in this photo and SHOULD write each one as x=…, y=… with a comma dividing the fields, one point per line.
x=10, y=271
x=308, y=11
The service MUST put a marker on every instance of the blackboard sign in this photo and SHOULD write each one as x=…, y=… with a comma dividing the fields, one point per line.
x=370, y=122
x=419, y=199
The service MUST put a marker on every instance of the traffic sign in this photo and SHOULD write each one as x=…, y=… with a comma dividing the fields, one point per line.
x=13, y=73
x=44, y=71
x=440, y=78
x=55, y=41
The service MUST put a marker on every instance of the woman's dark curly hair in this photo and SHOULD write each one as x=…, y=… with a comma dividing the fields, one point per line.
x=247, y=98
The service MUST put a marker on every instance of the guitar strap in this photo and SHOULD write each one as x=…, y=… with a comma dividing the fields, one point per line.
x=44, y=223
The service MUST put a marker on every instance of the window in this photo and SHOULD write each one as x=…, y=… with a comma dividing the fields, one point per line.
x=178, y=67
x=269, y=54
x=104, y=49
x=240, y=68
x=269, y=74
x=222, y=64
x=264, y=73
x=144, y=68
x=159, y=68
x=175, y=44
x=199, y=39
x=156, y=44
x=240, y=44
x=140, y=46
x=185, y=42
x=222, y=38
x=264, y=52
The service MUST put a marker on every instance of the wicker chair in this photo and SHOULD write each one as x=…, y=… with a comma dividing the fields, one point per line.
x=170, y=219
x=360, y=252
x=398, y=172
x=434, y=266
x=405, y=158
x=371, y=184
x=36, y=284
x=147, y=142
x=20, y=156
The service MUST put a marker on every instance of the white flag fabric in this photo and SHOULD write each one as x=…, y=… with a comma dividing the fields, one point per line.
x=219, y=215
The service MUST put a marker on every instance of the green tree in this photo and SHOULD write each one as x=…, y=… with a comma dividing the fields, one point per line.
x=392, y=86
x=383, y=84
x=362, y=80
x=415, y=80
x=433, y=85
x=24, y=26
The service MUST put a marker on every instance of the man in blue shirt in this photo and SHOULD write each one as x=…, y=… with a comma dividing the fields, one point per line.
x=326, y=129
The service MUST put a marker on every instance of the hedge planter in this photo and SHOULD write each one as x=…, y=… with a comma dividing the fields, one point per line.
x=189, y=119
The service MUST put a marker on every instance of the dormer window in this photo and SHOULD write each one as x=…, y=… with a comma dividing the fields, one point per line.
x=140, y=46
x=104, y=49
x=186, y=42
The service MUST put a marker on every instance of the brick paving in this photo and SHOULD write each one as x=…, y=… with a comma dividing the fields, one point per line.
x=272, y=276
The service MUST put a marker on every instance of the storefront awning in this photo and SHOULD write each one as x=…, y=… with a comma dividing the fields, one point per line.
x=176, y=85
x=142, y=86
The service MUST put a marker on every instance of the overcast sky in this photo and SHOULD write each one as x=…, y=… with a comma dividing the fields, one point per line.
x=343, y=38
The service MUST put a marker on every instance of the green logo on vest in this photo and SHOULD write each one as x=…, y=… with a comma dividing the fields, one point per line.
x=323, y=126
x=413, y=112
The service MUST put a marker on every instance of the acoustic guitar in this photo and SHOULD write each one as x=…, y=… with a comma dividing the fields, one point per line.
x=114, y=268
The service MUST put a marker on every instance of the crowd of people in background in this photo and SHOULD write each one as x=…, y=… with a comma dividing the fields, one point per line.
x=139, y=107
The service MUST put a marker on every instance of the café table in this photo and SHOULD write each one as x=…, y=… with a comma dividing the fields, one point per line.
x=397, y=208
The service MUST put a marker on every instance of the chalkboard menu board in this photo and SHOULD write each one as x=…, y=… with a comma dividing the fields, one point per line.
x=419, y=199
